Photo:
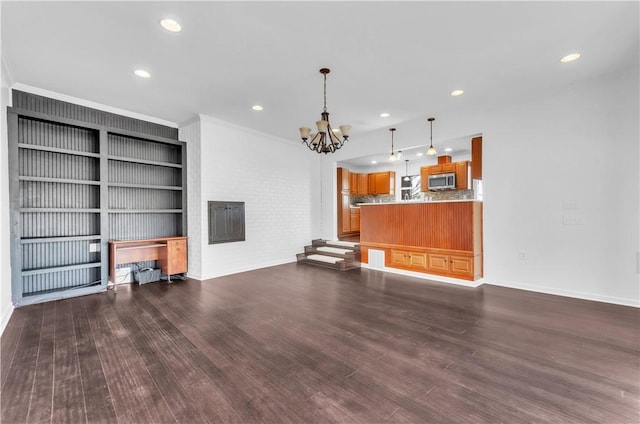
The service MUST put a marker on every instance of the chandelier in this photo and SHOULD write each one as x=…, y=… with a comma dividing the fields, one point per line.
x=432, y=150
x=326, y=140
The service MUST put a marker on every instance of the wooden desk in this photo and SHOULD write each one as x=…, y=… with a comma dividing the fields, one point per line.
x=170, y=252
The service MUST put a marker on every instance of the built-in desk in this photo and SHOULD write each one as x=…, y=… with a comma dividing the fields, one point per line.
x=170, y=252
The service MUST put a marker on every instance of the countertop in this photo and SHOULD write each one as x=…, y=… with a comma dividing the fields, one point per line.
x=411, y=202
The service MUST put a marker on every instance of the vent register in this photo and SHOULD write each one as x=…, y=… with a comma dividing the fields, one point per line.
x=76, y=184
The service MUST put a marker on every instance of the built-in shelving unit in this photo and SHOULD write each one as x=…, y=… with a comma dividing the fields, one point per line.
x=79, y=178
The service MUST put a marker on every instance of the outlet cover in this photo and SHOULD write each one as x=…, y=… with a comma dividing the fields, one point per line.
x=94, y=247
x=570, y=204
x=573, y=220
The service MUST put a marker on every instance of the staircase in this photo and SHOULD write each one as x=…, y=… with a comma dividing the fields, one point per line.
x=340, y=255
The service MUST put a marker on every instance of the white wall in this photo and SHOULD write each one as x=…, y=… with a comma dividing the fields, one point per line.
x=279, y=183
x=190, y=133
x=579, y=145
x=5, y=265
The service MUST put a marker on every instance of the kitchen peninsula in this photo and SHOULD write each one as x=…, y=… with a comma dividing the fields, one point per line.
x=434, y=237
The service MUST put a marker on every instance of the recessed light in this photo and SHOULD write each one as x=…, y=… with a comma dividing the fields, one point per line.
x=457, y=92
x=171, y=25
x=257, y=107
x=419, y=154
x=448, y=149
x=373, y=162
x=385, y=115
x=570, y=57
x=142, y=73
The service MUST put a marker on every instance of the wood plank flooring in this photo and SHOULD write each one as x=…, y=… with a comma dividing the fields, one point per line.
x=302, y=344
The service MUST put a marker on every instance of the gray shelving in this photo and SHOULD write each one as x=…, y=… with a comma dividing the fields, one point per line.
x=78, y=178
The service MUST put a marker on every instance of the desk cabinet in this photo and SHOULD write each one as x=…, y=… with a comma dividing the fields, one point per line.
x=174, y=258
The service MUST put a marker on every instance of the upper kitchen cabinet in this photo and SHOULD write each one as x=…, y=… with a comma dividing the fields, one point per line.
x=363, y=184
x=476, y=158
x=382, y=182
x=461, y=169
x=353, y=183
x=344, y=181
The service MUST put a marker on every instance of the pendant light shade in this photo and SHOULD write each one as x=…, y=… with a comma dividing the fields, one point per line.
x=406, y=170
x=432, y=150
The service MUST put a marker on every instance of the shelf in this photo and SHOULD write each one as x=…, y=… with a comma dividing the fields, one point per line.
x=146, y=211
x=145, y=162
x=147, y=186
x=38, y=271
x=58, y=150
x=58, y=239
x=59, y=180
x=60, y=210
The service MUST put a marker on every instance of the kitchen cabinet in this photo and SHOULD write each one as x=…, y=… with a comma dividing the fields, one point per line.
x=461, y=266
x=363, y=184
x=354, y=221
x=382, y=182
x=346, y=215
x=344, y=202
x=344, y=180
x=476, y=158
x=462, y=175
x=461, y=169
x=353, y=183
x=409, y=259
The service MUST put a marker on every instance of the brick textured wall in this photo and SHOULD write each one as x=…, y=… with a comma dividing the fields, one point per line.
x=277, y=181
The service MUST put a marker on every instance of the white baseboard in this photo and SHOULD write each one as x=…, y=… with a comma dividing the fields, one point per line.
x=567, y=293
x=250, y=268
x=5, y=318
x=430, y=277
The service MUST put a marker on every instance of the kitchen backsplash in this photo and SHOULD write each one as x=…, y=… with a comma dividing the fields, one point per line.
x=429, y=196
x=382, y=198
x=449, y=195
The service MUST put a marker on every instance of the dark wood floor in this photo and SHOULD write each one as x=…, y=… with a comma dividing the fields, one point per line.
x=300, y=344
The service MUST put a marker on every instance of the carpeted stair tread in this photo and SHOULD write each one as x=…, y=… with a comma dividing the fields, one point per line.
x=342, y=243
x=326, y=259
x=335, y=250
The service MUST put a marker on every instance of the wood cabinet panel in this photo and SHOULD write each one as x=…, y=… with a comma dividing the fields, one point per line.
x=461, y=265
x=344, y=179
x=476, y=158
x=462, y=175
x=363, y=184
x=353, y=183
x=176, y=260
x=382, y=182
x=438, y=262
x=346, y=214
x=355, y=219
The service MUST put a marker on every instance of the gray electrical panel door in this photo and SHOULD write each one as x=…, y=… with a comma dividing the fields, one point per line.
x=226, y=222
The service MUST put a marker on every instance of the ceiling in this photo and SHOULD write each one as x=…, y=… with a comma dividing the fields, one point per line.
x=403, y=58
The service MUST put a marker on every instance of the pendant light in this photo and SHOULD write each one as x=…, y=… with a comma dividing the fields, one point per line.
x=432, y=151
x=326, y=140
x=393, y=157
x=406, y=170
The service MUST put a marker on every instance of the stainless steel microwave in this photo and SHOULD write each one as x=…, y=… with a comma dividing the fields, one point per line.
x=442, y=181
